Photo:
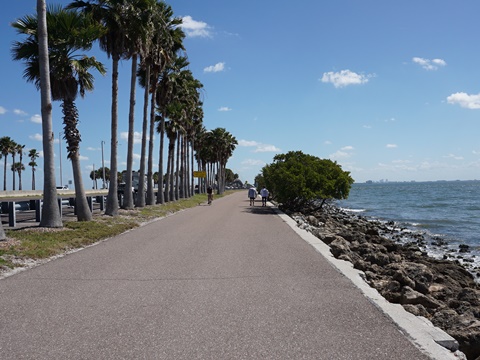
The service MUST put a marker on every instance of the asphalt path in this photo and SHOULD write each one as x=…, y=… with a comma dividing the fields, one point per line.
x=226, y=281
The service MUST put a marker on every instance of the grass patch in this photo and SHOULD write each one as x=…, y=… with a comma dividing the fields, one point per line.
x=40, y=243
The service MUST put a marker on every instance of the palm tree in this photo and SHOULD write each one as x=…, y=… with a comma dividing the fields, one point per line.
x=33, y=155
x=217, y=147
x=166, y=41
x=13, y=152
x=50, y=210
x=6, y=146
x=19, y=149
x=69, y=75
x=18, y=167
x=109, y=13
x=137, y=22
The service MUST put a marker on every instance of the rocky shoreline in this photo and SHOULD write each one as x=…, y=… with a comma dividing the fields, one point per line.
x=441, y=290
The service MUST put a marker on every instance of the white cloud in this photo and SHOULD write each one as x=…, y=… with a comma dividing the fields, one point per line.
x=37, y=119
x=2, y=110
x=195, y=28
x=401, y=161
x=224, y=108
x=247, y=143
x=83, y=158
x=343, y=153
x=215, y=68
x=391, y=146
x=427, y=64
x=92, y=149
x=455, y=157
x=137, y=137
x=37, y=137
x=339, y=155
x=253, y=162
x=19, y=112
x=465, y=100
x=266, y=148
x=259, y=146
x=345, y=78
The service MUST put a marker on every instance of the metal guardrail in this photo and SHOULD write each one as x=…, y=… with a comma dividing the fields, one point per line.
x=8, y=200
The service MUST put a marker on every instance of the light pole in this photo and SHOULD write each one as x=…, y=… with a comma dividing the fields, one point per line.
x=103, y=166
x=60, y=146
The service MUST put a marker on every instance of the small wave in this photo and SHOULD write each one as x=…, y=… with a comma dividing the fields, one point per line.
x=354, y=210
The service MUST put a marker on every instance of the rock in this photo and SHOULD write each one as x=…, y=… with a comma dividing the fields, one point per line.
x=410, y=296
x=443, y=291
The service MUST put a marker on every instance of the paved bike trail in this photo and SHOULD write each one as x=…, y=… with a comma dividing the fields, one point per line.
x=226, y=281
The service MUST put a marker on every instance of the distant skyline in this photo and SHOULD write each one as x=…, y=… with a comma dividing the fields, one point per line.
x=389, y=90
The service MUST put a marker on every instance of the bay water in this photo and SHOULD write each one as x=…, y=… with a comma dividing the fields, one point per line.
x=446, y=210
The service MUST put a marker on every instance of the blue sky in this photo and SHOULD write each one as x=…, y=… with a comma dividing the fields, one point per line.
x=388, y=89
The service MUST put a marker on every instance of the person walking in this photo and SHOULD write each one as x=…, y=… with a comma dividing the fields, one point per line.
x=210, y=194
x=252, y=194
x=264, y=194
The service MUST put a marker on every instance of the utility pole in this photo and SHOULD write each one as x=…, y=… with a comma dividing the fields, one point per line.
x=103, y=166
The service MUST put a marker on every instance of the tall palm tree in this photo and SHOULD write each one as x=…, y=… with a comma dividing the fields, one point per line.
x=50, y=211
x=217, y=147
x=33, y=155
x=6, y=146
x=13, y=152
x=20, y=167
x=70, y=32
x=139, y=22
x=166, y=41
x=109, y=13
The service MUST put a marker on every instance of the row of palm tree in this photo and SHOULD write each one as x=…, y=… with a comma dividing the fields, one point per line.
x=146, y=33
x=10, y=147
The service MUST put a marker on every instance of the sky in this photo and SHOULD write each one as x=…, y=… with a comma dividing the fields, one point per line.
x=390, y=90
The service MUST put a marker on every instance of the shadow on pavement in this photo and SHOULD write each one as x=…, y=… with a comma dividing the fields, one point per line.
x=260, y=210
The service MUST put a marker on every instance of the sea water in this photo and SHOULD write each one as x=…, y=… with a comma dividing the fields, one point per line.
x=449, y=210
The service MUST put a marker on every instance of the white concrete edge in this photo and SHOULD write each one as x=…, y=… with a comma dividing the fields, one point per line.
x=419, y=330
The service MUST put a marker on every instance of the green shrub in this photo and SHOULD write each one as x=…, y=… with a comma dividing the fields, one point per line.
x=296, y=180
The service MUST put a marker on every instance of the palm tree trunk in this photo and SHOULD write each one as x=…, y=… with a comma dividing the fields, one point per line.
x=181, y=191
x=72, y=137
x=20, y=171
x=141, y=185
x=112, y=198
x=13, y=170
x=33, y=178
x=177, y=172
x=150, y=190
x=50, y=211
x=20, y=178
x=161, y=195
x=128, y=200
x=81, y=204
x=5, y=173
x=170, y=170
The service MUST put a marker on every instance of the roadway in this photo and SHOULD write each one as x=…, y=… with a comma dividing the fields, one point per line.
x=226, y=281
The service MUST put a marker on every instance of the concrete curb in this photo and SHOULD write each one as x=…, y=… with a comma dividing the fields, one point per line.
x=431, y=340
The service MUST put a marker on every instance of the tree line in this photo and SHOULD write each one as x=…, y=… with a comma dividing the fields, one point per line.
x=8, y=147
x=54, y=49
